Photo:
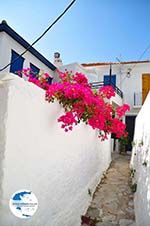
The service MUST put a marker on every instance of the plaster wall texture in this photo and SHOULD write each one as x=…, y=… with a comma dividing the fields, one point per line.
x=75, y=67
x=140, y=162
x=37, y=155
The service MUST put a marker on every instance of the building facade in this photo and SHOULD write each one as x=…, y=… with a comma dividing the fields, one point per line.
x=12, y=45
x=132, y=78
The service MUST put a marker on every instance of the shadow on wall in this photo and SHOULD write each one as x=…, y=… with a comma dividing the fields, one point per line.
x=142, y=195
x=3, y=116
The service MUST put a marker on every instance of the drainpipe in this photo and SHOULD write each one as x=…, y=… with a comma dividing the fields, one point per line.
x=110, y=73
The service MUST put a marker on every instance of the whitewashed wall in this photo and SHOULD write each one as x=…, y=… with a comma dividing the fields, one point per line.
x=7, y=44
x=75, y=67
x=36, y=154
x=141, y=163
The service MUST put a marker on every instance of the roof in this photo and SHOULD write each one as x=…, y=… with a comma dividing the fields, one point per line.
x=108, y=63
x=5, y=28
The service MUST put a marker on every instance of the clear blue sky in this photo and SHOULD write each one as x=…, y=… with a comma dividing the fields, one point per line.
x=92, y=31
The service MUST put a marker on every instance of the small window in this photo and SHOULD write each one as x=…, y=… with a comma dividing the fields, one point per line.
x=17, y=62
x=34, y=70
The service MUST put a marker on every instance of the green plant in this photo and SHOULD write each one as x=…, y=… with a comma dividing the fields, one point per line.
x=88, y=221
x=144, y=163
x=133, y=143
x=134, y=187
x=123, y=140
x=141, y=143
x=89, y=192
x=132, y=173
x=147, y=150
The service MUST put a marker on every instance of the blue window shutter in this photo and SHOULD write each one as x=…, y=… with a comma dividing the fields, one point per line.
x=18, y=64
x=50, y=80
x=34, y=70
x=107, y=80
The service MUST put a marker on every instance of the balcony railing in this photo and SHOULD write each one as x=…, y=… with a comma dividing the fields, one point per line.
x=97, y=85
x=138, y=99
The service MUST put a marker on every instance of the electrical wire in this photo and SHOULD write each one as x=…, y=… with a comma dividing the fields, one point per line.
x=55, y=21
x=140, y=57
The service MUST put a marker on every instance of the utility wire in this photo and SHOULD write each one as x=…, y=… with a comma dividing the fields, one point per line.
x=55, y=21
x=140, y=57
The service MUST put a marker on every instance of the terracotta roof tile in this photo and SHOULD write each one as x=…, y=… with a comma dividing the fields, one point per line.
x=108, y=63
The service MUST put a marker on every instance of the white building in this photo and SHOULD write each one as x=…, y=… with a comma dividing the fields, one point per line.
x=12, y=45
x=132, y=78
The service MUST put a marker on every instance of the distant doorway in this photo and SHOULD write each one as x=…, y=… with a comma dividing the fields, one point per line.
x=130, y=123
x=145, y=86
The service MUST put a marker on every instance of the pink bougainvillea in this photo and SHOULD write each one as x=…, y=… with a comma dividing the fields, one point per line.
x=107, y=91
x=43, y=80
x=122, y=109
x=81, y=103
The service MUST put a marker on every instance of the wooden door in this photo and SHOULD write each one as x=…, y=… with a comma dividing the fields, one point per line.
x=145, y=86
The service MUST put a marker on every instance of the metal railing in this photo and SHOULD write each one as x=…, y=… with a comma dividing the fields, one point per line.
x=97, y=85
x=137, y=98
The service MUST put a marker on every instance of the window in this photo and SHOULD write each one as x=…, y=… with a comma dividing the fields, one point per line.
x=34, y=70
x=107, y=80
x=49, y=81
x=18, y=64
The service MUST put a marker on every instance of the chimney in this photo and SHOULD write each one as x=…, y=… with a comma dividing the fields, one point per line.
x=4, y=22
x=57, y=59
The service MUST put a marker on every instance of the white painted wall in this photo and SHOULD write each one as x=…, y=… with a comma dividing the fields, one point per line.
x=141, y=154
x=36, y=154
x=7, y=44
x=75, y=67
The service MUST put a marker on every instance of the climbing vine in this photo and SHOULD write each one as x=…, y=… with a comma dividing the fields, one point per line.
x=82, y=104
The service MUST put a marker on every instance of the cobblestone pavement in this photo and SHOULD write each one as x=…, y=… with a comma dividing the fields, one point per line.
x=112, y=203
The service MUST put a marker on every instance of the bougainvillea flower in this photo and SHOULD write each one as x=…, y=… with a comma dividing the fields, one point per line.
x=81, y=103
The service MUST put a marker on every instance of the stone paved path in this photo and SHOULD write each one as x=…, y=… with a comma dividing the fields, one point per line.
x=112, y=203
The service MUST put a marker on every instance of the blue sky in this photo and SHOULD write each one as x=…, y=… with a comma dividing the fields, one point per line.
x=92, y=31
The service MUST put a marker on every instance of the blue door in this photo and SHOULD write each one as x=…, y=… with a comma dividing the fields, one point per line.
x=107, y=80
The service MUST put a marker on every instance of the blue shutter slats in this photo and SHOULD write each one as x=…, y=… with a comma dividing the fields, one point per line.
x=17, y=65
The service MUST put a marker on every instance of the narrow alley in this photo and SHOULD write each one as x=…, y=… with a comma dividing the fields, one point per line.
x=112, y=203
